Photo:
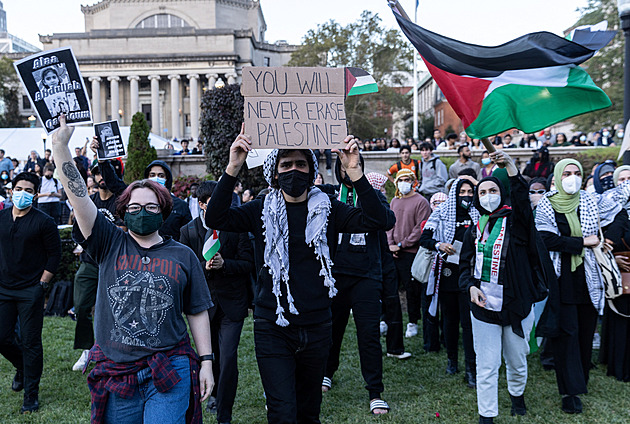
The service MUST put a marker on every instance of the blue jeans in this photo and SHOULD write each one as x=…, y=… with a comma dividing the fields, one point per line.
x=148, y=405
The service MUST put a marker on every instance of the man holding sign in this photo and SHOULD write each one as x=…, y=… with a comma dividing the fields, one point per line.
x=297, y=239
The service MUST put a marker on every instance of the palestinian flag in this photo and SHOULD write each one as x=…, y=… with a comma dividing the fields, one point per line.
x=212, y=244
x=359, y=82
x=529, y=83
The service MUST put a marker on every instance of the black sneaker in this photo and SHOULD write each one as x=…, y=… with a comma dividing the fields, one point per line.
x=31, y=404
x=486, y=420
x=451, y=367
x=518, y=405
x=212, y=405
x=572, y=404
x=18, y=381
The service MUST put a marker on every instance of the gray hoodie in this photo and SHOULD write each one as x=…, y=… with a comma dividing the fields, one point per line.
x=434, y=176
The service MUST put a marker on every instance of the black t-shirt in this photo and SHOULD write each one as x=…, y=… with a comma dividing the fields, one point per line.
x=139, y=303
x=108, y=205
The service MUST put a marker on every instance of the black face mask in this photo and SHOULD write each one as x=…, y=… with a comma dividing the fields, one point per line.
x=48, y=176
x=465, y=201
x=294, y=182
x=607, y=183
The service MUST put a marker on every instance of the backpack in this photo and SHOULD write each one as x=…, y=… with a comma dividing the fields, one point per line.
x=60, y=299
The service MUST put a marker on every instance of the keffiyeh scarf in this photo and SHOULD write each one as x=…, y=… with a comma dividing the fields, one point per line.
x=276, y=234
x=594, y=211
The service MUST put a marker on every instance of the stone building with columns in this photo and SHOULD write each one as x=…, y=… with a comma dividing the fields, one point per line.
x=158, y=56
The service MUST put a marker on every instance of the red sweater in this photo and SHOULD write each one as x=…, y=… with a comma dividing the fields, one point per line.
x=410, y=213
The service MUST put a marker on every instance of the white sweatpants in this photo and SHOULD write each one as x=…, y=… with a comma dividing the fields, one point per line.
x=490, y=341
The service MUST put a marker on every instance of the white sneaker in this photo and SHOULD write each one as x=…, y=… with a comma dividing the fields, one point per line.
x=383, y=328
x=412, y=330
x=404, y=355
x=80, y=364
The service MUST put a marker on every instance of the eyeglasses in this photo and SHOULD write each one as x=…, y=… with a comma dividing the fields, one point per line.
x=135, y=208
x=537, y=191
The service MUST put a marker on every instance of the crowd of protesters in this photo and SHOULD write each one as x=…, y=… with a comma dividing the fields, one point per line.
x=474, y=247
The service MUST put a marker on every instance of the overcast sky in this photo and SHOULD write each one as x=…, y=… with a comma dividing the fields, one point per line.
x=487, y=22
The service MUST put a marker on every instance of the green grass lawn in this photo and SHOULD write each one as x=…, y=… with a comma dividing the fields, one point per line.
x=416, y=389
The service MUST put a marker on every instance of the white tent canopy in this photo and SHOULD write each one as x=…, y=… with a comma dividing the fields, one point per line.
x=18, y=142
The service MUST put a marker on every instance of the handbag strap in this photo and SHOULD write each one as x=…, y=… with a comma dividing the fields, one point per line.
x=613, y=308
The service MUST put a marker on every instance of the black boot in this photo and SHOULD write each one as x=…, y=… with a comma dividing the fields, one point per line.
x=518, y=405
x=486, y=420
x=572, y=404
x=31, y=404
x=471, y=377
x=18, y=381
x=451, y=367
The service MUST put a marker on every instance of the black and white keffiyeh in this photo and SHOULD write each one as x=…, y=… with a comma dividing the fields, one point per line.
x=621, y=195
x=276, y=233
x=595, y=210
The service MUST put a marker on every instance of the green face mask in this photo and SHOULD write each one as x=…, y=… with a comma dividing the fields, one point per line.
x=143, y=223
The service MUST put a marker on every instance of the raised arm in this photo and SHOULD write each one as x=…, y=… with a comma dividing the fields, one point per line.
x=84, y=209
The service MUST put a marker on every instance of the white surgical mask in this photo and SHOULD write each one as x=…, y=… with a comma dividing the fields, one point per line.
x=404, y=187
x=572, y=184
x=605, y=133
x=620, y=134
x=490, y=202
x=159, y=180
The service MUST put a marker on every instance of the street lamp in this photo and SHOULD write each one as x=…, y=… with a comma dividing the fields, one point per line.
x=31, y=121
x=44, y=136
x=623, y=6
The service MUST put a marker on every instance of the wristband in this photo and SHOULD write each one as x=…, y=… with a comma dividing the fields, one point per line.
x=209, y=357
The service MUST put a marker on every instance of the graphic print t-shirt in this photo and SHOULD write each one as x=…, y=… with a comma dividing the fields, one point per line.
x=139, y=304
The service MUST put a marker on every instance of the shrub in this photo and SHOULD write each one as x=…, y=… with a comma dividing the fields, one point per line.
x=181, y=185
x=140, y=153
x=221, y=119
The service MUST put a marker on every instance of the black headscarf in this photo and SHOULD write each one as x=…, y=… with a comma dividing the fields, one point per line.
x=462, y=214
x=504, y=197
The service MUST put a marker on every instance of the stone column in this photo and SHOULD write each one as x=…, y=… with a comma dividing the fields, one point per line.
x=231, y=77
x=115, y=103
x=175, y=106
x=212, y=79
x=96, y=98
x=155, y=104
x=135, y=99
x=194, y=105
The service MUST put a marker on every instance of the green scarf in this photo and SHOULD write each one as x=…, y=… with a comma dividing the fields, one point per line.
x=488, y=246
x=568, y=204
x=343, y=195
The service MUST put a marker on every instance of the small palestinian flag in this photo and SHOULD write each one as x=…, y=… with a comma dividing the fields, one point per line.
x=211, y=245
x=359, y=82
x=529, y=83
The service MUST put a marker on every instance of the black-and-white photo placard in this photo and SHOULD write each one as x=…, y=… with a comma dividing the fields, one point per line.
x=110, y=143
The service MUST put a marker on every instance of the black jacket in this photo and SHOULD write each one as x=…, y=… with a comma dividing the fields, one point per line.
x=228, y=286
x=180, y=215
x=307, y=287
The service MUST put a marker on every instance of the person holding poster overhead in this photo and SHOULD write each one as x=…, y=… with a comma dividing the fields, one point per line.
x=146, y=369
x=295, y=227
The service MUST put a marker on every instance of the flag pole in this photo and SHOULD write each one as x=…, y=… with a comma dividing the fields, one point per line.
x=395, y=4
x=415, y=84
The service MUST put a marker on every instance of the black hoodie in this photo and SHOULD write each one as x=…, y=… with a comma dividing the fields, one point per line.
x=180, y=215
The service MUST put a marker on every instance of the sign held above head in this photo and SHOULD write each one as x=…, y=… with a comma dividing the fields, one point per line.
x=300, y=108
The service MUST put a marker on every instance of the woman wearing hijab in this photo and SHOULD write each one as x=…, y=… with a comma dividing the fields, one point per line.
x=615, y=345
x=621, y=174
x=569, y=219
x=603, y=177
x=498, y=255
x=444, y=234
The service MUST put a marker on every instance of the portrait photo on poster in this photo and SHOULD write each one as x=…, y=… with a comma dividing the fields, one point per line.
x=54, y=86
x=110, y=143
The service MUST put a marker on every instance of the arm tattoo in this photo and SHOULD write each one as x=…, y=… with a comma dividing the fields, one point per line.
x=75, y=183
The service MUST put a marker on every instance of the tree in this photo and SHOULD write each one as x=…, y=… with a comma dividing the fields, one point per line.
x=605, y=68
x=362, y=44
x=9, y=86
x=140, y=153
x=221, y=119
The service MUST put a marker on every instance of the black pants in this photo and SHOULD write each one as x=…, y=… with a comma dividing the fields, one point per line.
x=363, y=296
x=573, y=349
x=52, y=209
x=455, y=310
x=393, y=316
x=430, y=325
x=412, y=287
x=291, y=363
x=226, y=335
x=28, y=305
x=85, y=284
x=327, y=153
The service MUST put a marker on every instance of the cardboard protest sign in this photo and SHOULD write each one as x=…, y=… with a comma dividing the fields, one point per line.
x=110, y=143
x=55, y=86
x=298, y=108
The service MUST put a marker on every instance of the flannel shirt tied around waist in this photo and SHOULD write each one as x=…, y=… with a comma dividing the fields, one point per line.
x=122, y=379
